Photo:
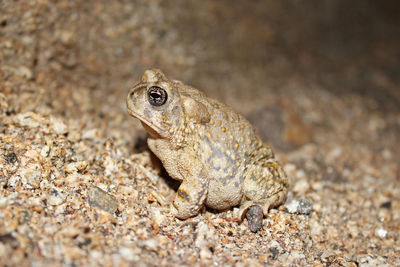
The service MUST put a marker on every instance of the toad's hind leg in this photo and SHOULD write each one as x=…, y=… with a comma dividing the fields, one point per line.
x=265, y=184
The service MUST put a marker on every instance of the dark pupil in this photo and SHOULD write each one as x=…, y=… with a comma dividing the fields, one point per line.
x=157, y=96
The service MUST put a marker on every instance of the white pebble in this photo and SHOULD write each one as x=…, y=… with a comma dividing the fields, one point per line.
x=55, y=199
x=157, y=216
x=380, y=232
x=127, y=253
x=25, y=72
x=301, y=186
x=29, y=119
x=91, y=134
x=45, y=151
x=151, y=244
x=59, y=126
x=3, y=202
x=13, y=181
x=292, y=206
x=205, y=240
x=110, y=165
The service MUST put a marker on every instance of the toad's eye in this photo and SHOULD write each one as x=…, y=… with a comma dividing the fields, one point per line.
x=157, y=96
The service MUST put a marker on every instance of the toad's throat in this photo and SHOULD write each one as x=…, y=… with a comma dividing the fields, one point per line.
x=154, y=133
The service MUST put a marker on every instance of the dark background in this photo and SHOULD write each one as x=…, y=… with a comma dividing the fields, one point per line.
x=341, y=46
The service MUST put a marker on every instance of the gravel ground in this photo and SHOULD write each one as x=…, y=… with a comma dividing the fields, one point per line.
x=79, y=187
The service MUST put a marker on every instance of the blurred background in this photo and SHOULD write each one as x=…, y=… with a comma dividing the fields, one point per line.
x=85, y=55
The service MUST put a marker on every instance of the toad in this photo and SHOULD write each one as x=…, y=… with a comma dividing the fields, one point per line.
x=212, y=150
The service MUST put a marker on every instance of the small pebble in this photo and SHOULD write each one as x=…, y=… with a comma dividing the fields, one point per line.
x=29, y=119
x=151, y=244
x=31, y=177
x=25, y=72
x=91, y=134
x=387, y=205
x=45, y=151
x=59, y=126
x=254, y=217
x=13, y=181
x=3, y=202
x=156, y=215
x=380, y=232
x=127, y=253
x=55, y=198
x=301, y=186
x=75, y=166
x=10, y=157
x=101, y=199
x=299, y=206
x=205, y=240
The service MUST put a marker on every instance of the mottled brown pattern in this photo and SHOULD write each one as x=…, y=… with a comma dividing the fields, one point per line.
x=213, y=150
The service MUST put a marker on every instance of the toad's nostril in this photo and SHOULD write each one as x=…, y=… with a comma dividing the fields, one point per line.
x=131, y=99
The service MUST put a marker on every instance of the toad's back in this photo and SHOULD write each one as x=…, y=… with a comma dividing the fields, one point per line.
x=228, y=145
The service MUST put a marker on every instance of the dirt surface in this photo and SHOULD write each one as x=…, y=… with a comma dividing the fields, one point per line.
x=319, y=79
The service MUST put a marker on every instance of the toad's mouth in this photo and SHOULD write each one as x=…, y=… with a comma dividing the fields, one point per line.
x=155, y=133
x=153, y=130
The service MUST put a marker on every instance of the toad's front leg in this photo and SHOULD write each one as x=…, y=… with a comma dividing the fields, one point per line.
x=190, y=197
